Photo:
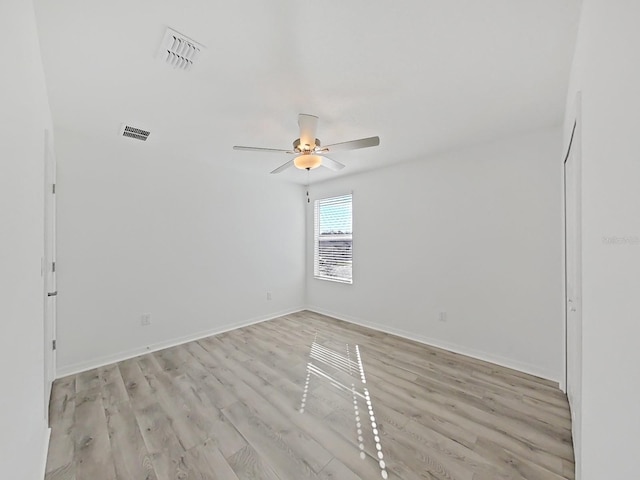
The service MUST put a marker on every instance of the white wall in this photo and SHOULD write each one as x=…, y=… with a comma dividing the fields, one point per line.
x=145, y=231
x=607, y=72
x=24, y=115
x=476, y=233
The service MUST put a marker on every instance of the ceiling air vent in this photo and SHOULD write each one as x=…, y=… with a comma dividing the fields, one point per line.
x=134, y=132
x=178, y=50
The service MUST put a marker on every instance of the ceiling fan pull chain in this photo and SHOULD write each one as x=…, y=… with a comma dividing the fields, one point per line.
x=308, y=174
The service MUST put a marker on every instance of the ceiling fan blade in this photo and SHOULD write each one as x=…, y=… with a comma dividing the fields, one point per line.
x=308, y=125
x=331, y=164
x=352, y=145
x=260, y=149
x=283, y=167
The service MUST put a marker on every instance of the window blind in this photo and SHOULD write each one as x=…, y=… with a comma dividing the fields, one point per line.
x=333, y=239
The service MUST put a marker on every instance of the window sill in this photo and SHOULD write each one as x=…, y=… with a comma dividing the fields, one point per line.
x=334, y=280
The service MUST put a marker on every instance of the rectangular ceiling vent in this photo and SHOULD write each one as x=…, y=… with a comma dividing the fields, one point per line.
x=178, y=50
x=134, y=132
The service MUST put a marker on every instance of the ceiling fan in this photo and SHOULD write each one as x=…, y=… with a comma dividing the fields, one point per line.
x=308, y=151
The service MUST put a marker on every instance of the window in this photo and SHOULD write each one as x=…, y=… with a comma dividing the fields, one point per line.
x=333, y=239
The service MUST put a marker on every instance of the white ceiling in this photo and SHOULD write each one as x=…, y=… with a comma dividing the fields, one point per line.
x=424, y=75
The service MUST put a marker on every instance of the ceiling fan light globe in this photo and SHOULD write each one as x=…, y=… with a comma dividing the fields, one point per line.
x=307, y=162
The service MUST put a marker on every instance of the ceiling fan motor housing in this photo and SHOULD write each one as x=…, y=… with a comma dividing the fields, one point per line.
x=298, y=148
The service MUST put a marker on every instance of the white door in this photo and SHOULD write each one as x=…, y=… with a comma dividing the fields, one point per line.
x=573, y=279
x=50, y=291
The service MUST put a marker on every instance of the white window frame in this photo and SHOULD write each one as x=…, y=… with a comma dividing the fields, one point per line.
x=335, y=262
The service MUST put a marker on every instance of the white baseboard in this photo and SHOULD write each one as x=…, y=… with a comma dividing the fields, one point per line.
x=478, y=354
x=433, y=342
x=118, y=357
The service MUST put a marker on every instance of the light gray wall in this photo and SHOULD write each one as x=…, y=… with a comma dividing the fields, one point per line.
x=24, y=116
x=607, y=73
x=146, y=231
x=476, y=233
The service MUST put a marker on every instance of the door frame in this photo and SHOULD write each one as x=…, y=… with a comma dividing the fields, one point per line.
x=49, y=270
x=573, y=139
x=565, y=342
x=574, y=148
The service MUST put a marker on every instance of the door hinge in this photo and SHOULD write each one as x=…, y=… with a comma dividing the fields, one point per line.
x=53, y=188
x=53, y=266
x=54, y=344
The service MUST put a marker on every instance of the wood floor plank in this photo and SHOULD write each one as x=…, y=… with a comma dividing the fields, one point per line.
x=213, y=465
x=484, y=407
x=451, y=452
x=316, y=428
x=228, y=407
x=249, y=465
x=149, y=364
x=305, y=447
x=138, y=389
x=202, y=462
x=130, y=455
x=157, y=432
x=336, y=470
x=269, y=443
x=208, y=417
x=88, y=380
x=60, y=459
x=114, y=390
x=448, y=413
x=93, y=457
x=526, y=468
x=177, y=410
x=64, y=387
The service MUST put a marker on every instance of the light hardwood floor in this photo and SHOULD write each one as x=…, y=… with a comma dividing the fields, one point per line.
x=228, y=407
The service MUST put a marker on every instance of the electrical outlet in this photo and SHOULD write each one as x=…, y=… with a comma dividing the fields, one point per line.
x=268, y=295
x=442, y=316
x=145, y=319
